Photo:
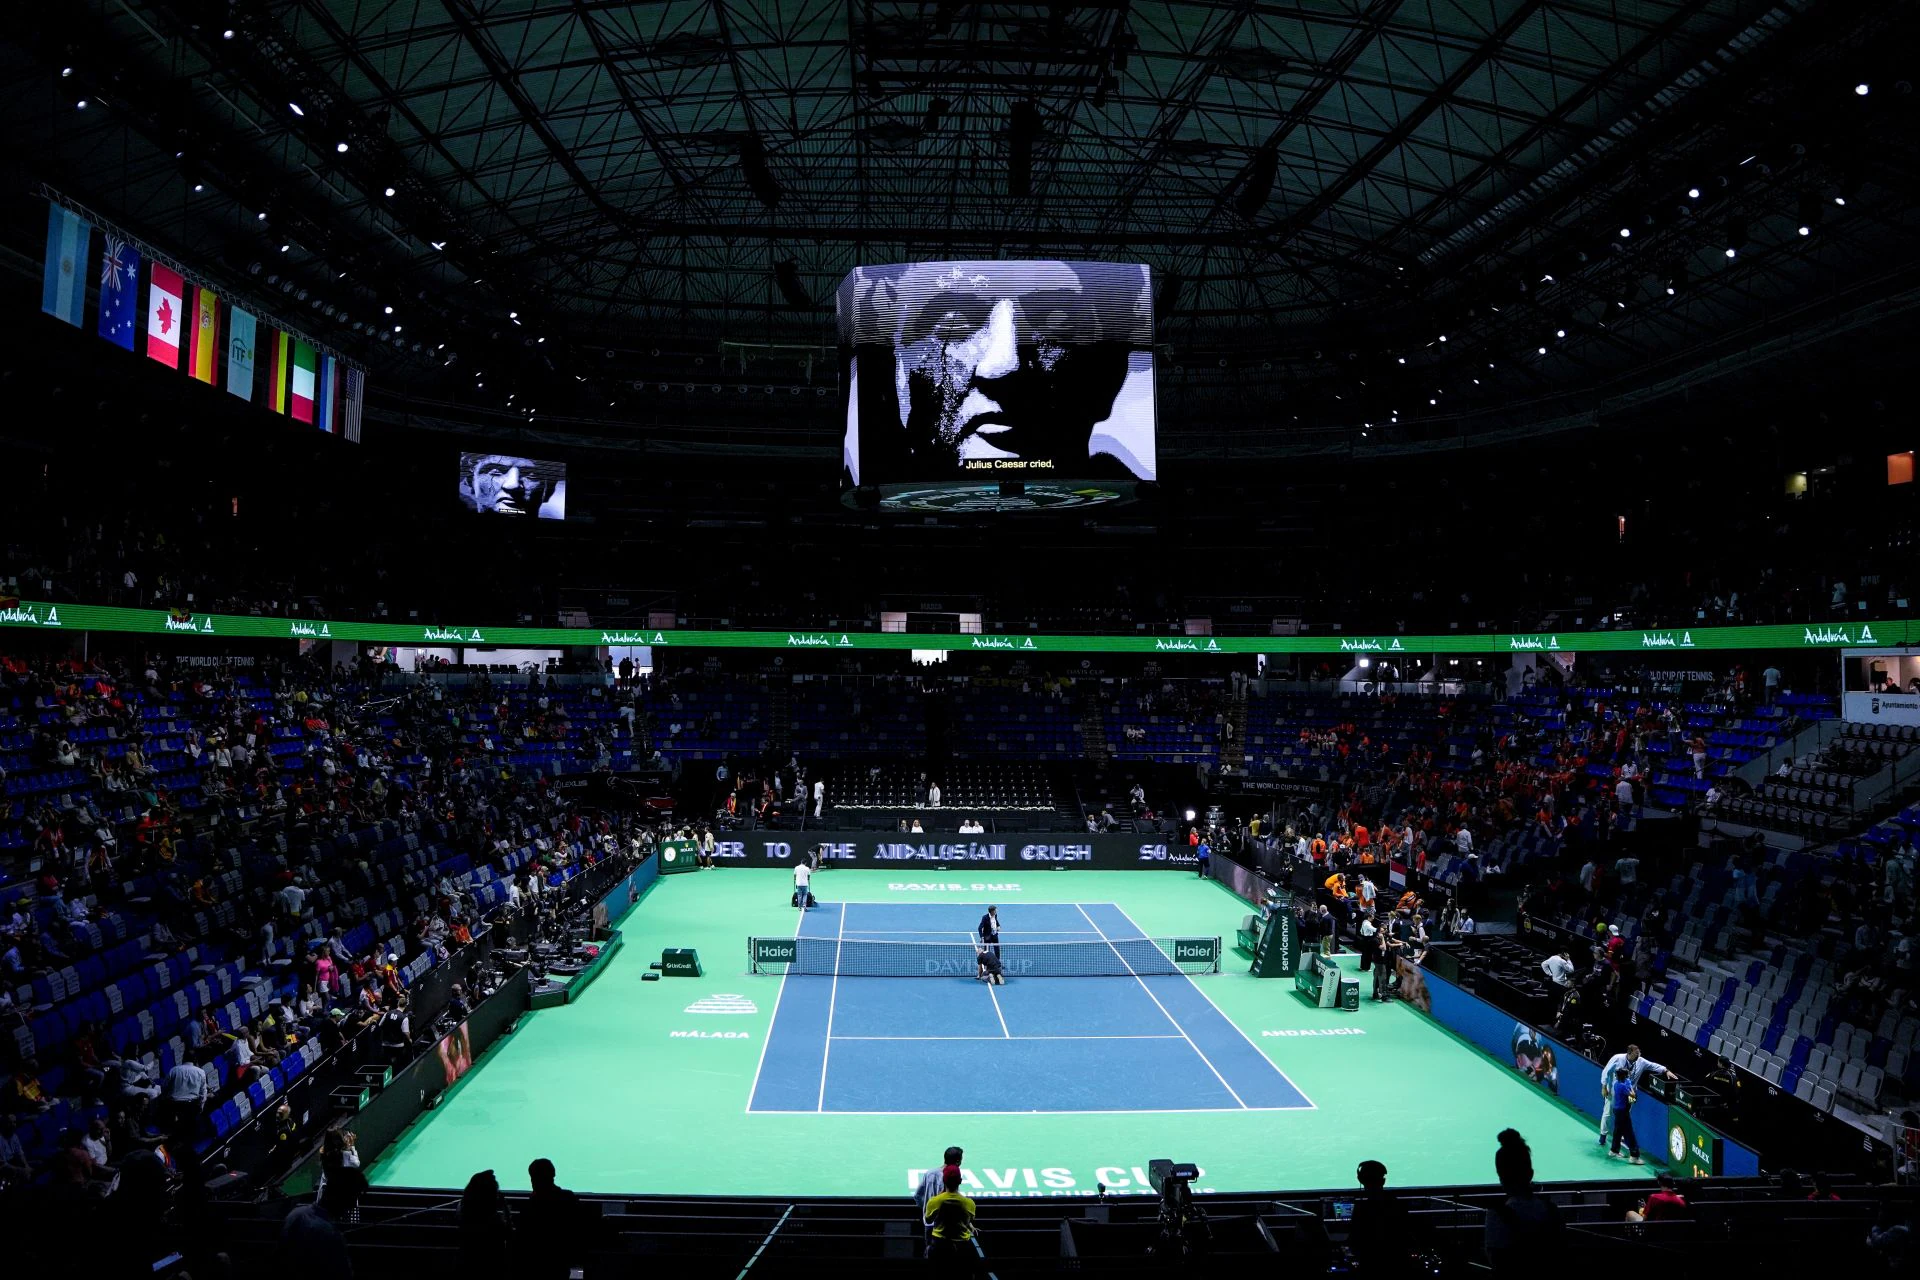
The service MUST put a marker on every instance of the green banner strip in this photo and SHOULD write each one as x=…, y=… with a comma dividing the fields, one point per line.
x=80, y=617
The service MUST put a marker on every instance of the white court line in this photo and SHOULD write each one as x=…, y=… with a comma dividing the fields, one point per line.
x=997, y=1037
x=1172, y=1111
x=1163, y=1009
x=1004, y=1033
x=778, y=996
x=1311, y=1104
x=833, y=994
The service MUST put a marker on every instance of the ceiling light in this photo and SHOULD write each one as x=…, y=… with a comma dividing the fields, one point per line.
x=295, y=108
x=1403, y=359
x=387, y=311
x=65, y=72
x=1732, y=252
x=389, y=192
x=1559, y=333
x=1862, y=89
x=1840, y=200
x=227, y=34
x=260, y=216
x=1543, y=351
x=199, y=186
x=80, y=105
x=1443, y=337
x=1669, y=291
x=396, y=328
x=1626, y=233
x=1693, y=193
x=439, y=244
x=285, y=247
x=1432, y=401
x=543, y=339
x=341, y=147
x=1805, y=230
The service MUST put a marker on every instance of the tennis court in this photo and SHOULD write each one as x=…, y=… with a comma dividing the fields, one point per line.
x=714, y=1085
x=1133, y=1035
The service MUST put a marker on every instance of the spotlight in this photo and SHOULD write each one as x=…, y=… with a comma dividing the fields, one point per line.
x=227, y=34
x=199, y=187
x=389, y=193
x=1732, y=252
x=1626, y=233
x=396, y=328
x=295, y=108
x=1431, y=400
x=1189, y=815
x=1559, y=333
x=80, y=105
x=1862, y=89
x=1403, y=359
x=386, y=311
x=285, y=247
x=260, y=216
x=1543, y=351
x=1805, y=230
x=65, y=72
x=1443, y=337
x=341, y=147
x=513, y=315
x=1693, y=193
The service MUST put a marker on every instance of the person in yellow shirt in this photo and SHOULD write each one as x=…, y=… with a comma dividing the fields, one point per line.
x=950, y=1216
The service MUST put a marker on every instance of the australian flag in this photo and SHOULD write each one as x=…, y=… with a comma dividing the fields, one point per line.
x=119, y=287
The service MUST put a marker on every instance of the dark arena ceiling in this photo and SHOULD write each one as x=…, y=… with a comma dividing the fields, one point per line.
x=632, y=217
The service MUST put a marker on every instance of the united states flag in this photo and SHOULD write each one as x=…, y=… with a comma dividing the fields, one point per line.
x=353, y=387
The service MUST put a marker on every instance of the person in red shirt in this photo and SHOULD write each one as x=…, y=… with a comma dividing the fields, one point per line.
x=1666, y=1203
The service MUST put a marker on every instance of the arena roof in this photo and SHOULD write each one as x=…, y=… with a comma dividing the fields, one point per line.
x=618, y=208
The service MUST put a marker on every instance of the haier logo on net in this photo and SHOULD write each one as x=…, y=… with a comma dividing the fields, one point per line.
x=1161, y=853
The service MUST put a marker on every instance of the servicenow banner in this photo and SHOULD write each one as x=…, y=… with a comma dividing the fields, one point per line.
x=42, y=616
x=920, y=853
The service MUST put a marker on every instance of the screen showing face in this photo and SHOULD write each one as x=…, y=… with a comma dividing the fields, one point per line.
x=501, y=484
x=998, y=371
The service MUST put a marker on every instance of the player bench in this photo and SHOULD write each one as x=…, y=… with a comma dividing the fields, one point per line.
x=1247, y=936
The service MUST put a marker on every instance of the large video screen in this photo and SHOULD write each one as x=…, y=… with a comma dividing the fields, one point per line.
x=502, y=484
x=981, y=371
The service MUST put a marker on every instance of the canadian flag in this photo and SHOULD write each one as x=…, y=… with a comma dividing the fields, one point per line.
x=164, y=319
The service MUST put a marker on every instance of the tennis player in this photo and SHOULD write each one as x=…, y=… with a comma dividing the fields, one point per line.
x=987, y=967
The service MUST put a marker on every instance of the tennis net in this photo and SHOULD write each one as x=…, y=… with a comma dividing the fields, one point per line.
x=877, y=958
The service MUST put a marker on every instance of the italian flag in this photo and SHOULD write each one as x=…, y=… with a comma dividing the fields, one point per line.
x=165, y=289
x=303, y=371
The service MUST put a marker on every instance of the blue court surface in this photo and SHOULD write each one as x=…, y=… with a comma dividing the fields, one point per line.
x=1037, y=1045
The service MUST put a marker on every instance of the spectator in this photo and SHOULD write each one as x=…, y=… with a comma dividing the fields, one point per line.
x=312, y=1246
x=949, y=1219
x=1666, y=1203
x=1890, y=1237
x=552, y=1226
x=930, y=1183
x=1823, y=1191
x=1378, y=1234
x=486, y=1229
x=187, y=1092
x=1524, y=1227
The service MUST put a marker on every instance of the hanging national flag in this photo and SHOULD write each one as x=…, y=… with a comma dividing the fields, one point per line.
x=326, y=396
x=302, y=382
x=63, y=290
x=240, y=352
x=119, y=286
x=203, y=339
x=353, y=386
x=277, y=352
x=164, y=291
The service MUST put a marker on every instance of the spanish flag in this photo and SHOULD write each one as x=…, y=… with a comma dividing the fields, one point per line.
x=203, y=339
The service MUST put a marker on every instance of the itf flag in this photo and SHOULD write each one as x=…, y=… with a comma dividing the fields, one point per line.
x=203, y=339
x=240, y=352
x=164, y=291
x=63, y=290
x=302, y=382
x=119, y=283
